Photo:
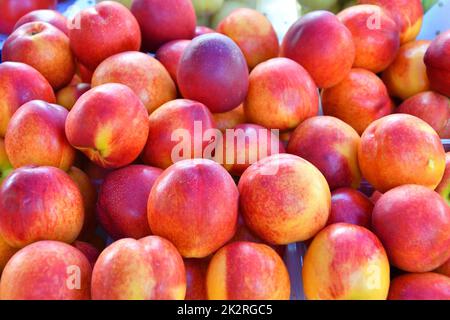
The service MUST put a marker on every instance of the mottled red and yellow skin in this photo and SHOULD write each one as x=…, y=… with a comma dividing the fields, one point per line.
x=39, y=203
x=6, y=252
x=358, y=100
x=332, y=146
x=5, y=166
x=444, y=186
x=345, y=262
x=413, y=223
x=123, y=197
x=230, y=119
x=11, y=11
x=243, y=233
x=201, y=30
x=438, y=64
x=213, y=71
x=431, y=107
x=90, y=252
x=196, y=278
x=68, y=96
x=401, y=149
x=247, y=271
x=109, y=125
x=444, y=269
x=180, y=114
x=408, y=14
x=350, y=206
x=96, y=35
x=251, y=143
x=36, y=136
x=147, y=269
x=284, y=199
x=420, y=286
x=145, y=75
x=162, y=21
x=322, y=45
x=46, y=270
x=253, y=33
x=376, y=41
x=89, y=194
x=281, y=95
x=170, y=54
x=52, y=17
x=20, y=83
x=407, y=75
x=45, y=48
x=194, y=204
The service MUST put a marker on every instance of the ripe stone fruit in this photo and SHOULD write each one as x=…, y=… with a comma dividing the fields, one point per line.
x=250, y=144
x=230, y=119
x=5, y=165
x=162, y=21
x=13, y=10
x=122, y=204
x=444, y=186
x=39, y=203
x=345, y=262
x=247, y=271
x=6, y=252
x=332, y=146
x=284, y=199
x=196, y=278
x=281, y=95
x=109, y=125
x=253, y=33
x=52, y=17
x=45, y=48
x=438, y=64
x=401, y=149
x=68, y=96
x=102, y=31
x=408, y=14
x=170, y=55
x=350, y=206
x=322, y=45
x=46, y=270
x=145, y=75
x=420, y=286
x=89, y=195
x=359, y=99
x=20, y=83
x=147, y=269
x=89, y=251
x=36, y=136
x=431, y=107
x=407, y=75
x=214, y=72
x=413, y=223
x=194, y=204
x=375, y=34
x=177, y=131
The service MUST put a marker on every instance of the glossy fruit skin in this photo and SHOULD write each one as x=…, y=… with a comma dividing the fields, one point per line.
x=345, y=262
x=420, y=286
x=350, y=206
x=162, y=21
x=422, y=243
x=438, y=65
x=247, y=271
x=198, y=197
x=40, y=203
x=52, y=17
x=11, y=11
x=213, y=71
x=94, y=40
x=322, y=45
x=47, y=270
x=20, y=83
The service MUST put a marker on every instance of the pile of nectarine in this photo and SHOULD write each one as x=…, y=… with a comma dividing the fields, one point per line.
x=146, y=156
